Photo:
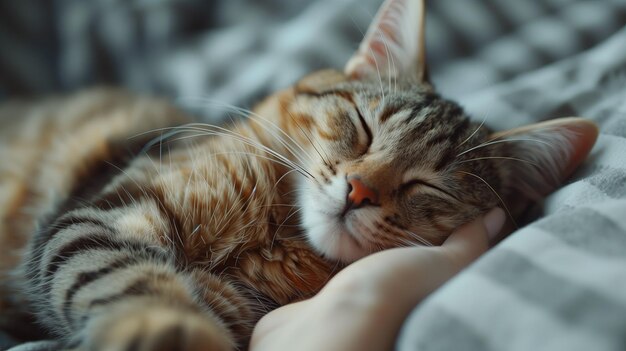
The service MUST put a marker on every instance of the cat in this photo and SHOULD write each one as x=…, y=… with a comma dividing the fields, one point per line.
x=125, y=227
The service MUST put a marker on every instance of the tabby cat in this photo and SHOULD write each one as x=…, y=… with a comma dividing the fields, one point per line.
x=123, y=228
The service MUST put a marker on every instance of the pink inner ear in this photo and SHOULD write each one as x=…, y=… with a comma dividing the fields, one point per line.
x=587, y=132
x=394, y=43
x=555, y=148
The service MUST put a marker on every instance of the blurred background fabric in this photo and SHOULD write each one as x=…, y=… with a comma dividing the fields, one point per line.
x=556, y=284
x=236, y=51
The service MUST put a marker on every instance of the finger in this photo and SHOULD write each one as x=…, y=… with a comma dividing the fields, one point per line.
x=472, y=239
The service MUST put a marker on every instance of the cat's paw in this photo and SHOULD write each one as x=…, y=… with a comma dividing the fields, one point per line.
x=156, y=328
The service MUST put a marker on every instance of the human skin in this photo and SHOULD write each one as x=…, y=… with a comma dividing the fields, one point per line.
x=363, y=307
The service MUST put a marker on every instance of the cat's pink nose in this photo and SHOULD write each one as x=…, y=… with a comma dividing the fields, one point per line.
x=359, y=194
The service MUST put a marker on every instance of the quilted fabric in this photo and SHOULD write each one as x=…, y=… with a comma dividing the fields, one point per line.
x=556, y=284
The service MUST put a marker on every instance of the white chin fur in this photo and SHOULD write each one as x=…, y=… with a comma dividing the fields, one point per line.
x=335, y=242
x=325, y=230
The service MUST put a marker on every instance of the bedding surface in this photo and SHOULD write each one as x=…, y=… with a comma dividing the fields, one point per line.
x=557, y=283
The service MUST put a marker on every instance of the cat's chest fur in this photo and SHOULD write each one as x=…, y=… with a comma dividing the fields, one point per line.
x=228, y=208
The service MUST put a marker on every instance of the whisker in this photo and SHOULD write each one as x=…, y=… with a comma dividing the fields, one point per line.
x=325, y=160
x=219, y=131
x=389, y=59
x=292, y=212
x=260, y=120
x=278, y=161
x=417, y=237
x=403, y=242
x=474, y=133
x=380, y=79
x=281, y=178
x=496, y=193
x=413, y=235
x=501, y=141
x=253, y=116
x=500, y=157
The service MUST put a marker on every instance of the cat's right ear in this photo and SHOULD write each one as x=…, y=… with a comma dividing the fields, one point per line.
x=394, y=43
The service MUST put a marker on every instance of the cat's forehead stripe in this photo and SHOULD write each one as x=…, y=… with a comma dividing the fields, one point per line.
x=421, y=119
x=388, y=112
x=320, y=94
x=451, y=134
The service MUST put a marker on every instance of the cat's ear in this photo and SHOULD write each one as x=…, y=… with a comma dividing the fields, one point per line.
x=394, y=43
x=544, y=154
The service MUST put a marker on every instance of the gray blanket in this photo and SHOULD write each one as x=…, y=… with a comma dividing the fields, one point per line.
x=560, y=282
x=557, y=284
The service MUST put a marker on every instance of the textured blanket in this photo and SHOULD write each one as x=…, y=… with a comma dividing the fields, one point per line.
x=560, y=282
x=556, y=284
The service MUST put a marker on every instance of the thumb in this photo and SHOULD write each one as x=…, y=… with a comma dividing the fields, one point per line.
x=469, y=241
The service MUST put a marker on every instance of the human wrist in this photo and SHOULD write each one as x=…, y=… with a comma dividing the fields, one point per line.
x=356, y=321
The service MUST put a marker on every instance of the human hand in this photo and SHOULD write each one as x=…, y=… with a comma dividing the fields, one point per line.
x=364, y=305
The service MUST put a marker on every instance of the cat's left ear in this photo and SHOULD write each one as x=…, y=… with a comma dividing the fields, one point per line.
x=394, y=43
x=544, y=154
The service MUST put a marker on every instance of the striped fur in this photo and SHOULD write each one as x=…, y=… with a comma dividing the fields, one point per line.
x=187, y=240
x=201, y=229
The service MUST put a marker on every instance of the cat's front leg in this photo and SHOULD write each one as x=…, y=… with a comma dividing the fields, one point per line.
x=145, y=323
x=101, y=290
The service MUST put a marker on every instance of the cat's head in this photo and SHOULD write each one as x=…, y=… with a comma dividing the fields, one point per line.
x=393, y=164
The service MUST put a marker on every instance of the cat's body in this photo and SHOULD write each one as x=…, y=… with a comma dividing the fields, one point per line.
x=185, y=241
x=211, y=208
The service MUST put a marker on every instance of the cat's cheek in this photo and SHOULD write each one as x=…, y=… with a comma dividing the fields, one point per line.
x=322, y=223
x=334, y=242
x=329, y=237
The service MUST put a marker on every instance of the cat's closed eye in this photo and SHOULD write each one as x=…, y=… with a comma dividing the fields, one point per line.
x=366, y=128
x=409, y=186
